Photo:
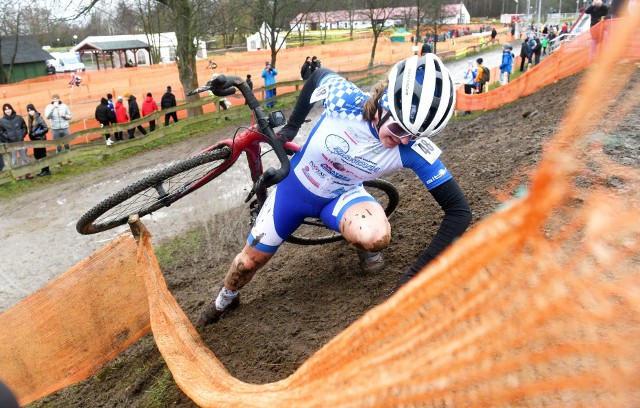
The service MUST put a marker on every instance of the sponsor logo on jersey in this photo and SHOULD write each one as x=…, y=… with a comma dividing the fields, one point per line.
x=316, y=169
x=332, y=172
x=305, y=171
x=338, y=146
x=438, y=176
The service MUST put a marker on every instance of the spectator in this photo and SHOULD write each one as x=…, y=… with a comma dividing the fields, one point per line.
x=51, y=70
x=129, y=64
x=59, y=116
x=13, y=129
x=537, y=50
x=169, y=101
x=148, y=107
x=426, y=48
x=121, y=117
x=305, y=71
x=315, y=64
x=494, y=33
x=249, y=83
x=112, y=106
x=105, y=116
x=507, y=64
x=545, y=44
x=269, y=74
x=38, y=131
x=470, y=79
x=482, y=77
x=531, y=45
x=598, y=12
x=134, y=113
x=524, y=54
x=7, y=399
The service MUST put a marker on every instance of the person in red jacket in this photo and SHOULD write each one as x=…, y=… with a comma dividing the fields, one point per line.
x=121, y=116
x=148, y=107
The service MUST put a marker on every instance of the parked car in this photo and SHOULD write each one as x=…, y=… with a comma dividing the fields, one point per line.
x=66, y=62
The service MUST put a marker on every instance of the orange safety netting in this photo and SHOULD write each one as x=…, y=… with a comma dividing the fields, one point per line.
x=572, y=57
x=536, y=305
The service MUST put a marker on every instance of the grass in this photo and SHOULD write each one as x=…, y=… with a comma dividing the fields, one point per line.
x=180, y=247
x=77, y=168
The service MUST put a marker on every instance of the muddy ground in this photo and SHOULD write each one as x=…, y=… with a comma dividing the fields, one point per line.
x=307, y=295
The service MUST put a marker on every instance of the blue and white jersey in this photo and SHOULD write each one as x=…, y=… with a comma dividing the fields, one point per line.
x=343, y=149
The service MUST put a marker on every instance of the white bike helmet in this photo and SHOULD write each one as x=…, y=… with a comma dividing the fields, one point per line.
x=421, y=95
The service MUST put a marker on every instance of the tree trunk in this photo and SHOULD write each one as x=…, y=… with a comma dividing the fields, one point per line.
x=186, y=53
x=373, y=49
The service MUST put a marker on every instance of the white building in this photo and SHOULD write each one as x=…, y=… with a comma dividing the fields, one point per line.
x=340, y=19
x=261, y=40
x=166, y=43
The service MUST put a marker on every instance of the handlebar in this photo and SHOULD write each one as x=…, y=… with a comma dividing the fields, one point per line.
x=223, y=85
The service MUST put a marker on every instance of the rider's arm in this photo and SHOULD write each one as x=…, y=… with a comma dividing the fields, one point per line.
x=457, y=216
x=303, y=106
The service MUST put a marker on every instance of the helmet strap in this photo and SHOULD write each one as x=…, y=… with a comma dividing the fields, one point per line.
x=382, y=119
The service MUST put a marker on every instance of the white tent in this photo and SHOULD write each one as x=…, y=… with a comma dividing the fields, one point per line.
x=261, y=39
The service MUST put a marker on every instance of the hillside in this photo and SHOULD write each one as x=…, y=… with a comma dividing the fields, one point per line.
x=307, y=295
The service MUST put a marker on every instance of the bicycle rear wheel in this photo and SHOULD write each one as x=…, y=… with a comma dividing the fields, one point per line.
x=313, y=231
x=156, y=191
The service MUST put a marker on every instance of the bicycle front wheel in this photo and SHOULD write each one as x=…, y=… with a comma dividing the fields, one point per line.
x=313, y=231
x=156, y=191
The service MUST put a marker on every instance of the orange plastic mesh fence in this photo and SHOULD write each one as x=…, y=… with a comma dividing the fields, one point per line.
x=537, y=305
x=68, y=330
x=572, y=57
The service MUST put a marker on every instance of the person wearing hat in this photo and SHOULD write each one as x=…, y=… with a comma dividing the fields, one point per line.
x=169, y=101
x=269, y=74
x=59, y=116
x=134, y=113
x=38, y=131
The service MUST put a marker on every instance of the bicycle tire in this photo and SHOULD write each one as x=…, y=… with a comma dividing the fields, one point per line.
x=313, y=232
x=153, y=192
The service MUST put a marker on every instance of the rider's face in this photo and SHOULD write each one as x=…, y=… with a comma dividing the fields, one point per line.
x=392, y=134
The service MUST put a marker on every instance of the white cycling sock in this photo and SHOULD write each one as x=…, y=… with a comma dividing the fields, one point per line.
x=225, y=297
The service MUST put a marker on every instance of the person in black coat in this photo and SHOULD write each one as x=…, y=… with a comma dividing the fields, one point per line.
x=134, y=113
x=169, y=101
x=305, y=71
x=524, y=54
x=13, y=129
x=38, y=131
x=105, y=116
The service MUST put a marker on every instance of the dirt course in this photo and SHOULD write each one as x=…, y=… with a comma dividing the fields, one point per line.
x=307, y=295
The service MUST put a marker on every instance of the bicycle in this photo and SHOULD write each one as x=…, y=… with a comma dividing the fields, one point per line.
x=165, y=187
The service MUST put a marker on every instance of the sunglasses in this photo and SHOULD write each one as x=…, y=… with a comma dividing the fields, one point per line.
x=394, y=127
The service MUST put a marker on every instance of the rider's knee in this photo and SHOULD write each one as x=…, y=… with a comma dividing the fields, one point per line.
x=376, y=243
x=372, y=239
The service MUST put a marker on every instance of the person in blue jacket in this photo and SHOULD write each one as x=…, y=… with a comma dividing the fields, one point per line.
x=507, y=64
x=269, y=74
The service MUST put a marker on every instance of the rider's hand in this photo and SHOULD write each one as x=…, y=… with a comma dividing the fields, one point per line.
x=287, y=132
x=221, y=86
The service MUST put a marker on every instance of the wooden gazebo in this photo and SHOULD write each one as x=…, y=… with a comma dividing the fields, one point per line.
x=102, y=49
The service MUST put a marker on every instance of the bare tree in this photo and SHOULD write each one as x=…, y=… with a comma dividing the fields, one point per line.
x=10, y=19
x=378, y=12
x=281, y=18
x=436, y=13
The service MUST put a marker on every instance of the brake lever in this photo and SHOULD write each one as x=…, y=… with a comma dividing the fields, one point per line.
x=263, y=181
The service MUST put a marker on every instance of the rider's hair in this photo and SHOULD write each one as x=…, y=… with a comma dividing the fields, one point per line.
x=371, y=105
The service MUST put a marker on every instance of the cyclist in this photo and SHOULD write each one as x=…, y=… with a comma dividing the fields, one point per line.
x=358, y=137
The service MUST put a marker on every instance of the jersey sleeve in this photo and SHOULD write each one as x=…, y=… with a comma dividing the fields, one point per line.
x=343, y=99
x=431, y=174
